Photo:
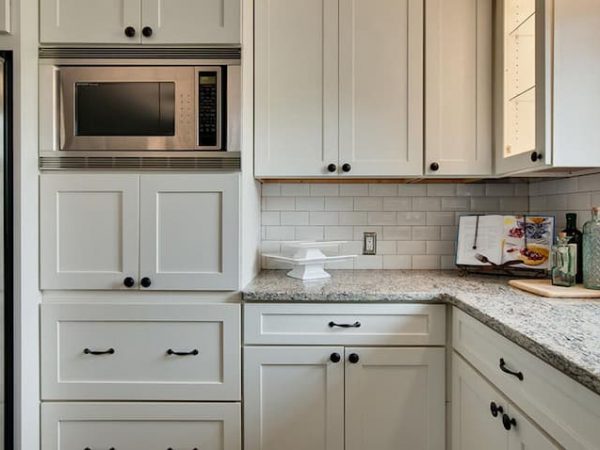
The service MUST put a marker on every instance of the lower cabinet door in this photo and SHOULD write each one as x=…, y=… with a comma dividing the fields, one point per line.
x=395, y=398
x=141, y=426
x=474, y=427
x=524, y=435
x=294, y=398
x=189, y=232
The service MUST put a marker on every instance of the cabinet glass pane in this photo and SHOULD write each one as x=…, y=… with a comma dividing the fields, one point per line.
x=519, y=77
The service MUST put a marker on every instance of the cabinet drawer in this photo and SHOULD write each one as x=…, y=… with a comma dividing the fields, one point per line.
x=140, y=352
x=78, y=426
x=344, y=324
x=565, y=409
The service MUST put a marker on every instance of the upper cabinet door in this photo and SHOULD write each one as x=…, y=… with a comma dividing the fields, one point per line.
x=189, y=232
x=395, y=398
x=88, y=231
x=294, y=398
x=90, y=22
x=524, y=85
x=191, y=21
x=458, y=87
x=296, y=82
x=381, y=87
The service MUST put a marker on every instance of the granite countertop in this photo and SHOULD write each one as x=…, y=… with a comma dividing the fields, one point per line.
x=565, y=333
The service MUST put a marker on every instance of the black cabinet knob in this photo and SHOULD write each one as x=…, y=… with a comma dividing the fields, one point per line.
x=535, y=156
x=147, y=32
x=130, y=32
x=346, y=167
x=331, y=167
x=496, y=409
x=508, y=422
x=353, y=358
x=146, y=282
x=129, y=282
x=434, y=166
x=335, y=357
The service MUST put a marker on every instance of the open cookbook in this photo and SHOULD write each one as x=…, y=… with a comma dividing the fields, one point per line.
x=505, y=242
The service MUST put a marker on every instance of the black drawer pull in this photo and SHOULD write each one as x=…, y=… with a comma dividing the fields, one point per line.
x=508, y=422
x=110, y=351
x=344, y=325
x=173, y=352
x=88, y=448
x=505, y=369
x=171, y=448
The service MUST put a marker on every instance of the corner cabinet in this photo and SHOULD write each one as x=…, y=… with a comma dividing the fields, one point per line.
x=140, y=22
x=547, y=92
x=171, y=232
x=339, y=88
x=458, y=87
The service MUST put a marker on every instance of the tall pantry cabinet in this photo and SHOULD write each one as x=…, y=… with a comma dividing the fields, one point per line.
x=338, y=88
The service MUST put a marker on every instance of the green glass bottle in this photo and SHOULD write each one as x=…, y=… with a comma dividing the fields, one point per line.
x=564, y=261
x=591, y=251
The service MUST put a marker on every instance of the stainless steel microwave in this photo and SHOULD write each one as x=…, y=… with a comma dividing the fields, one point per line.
x=139, y=108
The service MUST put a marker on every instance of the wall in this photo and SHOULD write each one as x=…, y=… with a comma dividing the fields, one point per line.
x=415, y=223
x=577, y=194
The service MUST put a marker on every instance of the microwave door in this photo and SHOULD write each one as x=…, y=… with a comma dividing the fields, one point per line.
x=134, y=108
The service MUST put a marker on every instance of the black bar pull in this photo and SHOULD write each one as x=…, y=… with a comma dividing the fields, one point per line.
x=344, y=325
x=110, y=351
x=88, y=448
x=505, y=369
x=173, y=352
x=171, y=448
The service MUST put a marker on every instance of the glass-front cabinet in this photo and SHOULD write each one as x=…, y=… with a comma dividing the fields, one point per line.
x=522, y=85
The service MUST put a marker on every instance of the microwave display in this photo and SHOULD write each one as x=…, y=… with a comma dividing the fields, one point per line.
x=208, y=108
x=125, y=109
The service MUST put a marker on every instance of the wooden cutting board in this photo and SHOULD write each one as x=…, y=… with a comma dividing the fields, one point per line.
x=545, y=288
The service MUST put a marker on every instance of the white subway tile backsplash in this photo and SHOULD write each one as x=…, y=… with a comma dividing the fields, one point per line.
x=310, y=203
x=382, y=218
x=324, y=218
x=339, y=204
x=383, y=190
x=415, y=223
x=330, y=190
x=580, y=200
x=368, y=204
x=294, y=218
x=295, y=189
x=353, y=218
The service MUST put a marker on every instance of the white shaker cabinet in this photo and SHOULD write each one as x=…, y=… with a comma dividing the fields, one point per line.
x=480, y=414
x=547, y=90
x=458, y=87
x=296, y=82
x=293, y=398
x=338, y=88
x=191, y=21
x=140, y=22
x=381, y=87
x=189, y=231
x=90, y=21
x=89, y=231
x=395, y=398
x=161, y=232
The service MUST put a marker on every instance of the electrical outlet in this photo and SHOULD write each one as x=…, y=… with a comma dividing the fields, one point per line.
x=369, y=243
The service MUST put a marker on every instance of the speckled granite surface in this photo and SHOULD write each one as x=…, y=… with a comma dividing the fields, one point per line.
x=565, y=333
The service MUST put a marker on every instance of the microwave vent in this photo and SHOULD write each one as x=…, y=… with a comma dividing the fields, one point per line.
x=162, y=163
x=90, y=53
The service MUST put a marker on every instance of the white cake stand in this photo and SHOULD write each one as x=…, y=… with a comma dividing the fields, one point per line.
x=308, y=260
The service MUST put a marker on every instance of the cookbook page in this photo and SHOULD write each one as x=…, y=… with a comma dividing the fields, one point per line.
x=528, y=241
x=480, y=240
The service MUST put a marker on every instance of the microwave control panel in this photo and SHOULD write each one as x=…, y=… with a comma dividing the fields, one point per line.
x=209, y=106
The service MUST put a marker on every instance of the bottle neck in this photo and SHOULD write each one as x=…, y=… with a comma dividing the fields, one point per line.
x=595, y=215
x=571, y=222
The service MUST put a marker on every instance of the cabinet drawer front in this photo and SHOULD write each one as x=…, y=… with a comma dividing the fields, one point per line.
x=565, y=409
x=344, y=324
x=145, y=352
x=67, y=426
